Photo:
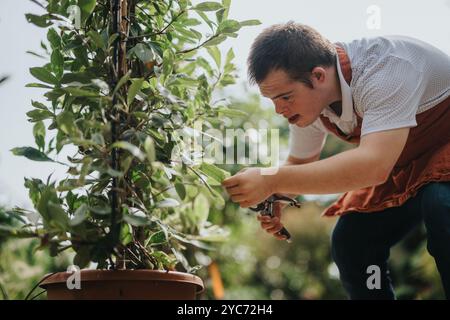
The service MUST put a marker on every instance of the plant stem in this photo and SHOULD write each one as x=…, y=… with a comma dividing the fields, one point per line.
x=200, y=45
x=162, y=30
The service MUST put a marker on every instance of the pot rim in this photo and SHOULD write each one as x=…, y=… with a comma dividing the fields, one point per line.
x=128, y=275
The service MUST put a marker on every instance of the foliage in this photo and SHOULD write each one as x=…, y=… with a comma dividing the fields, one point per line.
x=122, y=94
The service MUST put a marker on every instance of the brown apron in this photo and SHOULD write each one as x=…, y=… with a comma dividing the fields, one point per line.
x=425, y=158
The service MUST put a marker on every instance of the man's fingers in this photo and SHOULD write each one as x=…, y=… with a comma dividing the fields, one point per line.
x=238, y=198
x=230, y=182
x=280, y=237
x=232, y=191
x=278, y=207
x=275, y=228
x=263, y=218
x=272, y=224
x=267, y=225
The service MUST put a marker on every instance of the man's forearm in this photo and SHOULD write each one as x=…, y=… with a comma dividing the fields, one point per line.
x=290, y=195
x=349, y=170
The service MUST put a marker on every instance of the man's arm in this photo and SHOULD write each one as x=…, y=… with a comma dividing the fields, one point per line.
x=368, y=165
x=295, y=161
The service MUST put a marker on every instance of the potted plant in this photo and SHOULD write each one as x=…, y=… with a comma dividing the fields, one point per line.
x=123, y=84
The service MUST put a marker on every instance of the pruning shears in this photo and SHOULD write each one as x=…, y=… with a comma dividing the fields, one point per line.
x=266, y=208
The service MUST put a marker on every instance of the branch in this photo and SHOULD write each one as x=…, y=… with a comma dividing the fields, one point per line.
x=200, y=45
x=162, y=31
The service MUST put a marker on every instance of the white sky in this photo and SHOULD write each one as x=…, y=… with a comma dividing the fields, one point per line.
x=337, y=20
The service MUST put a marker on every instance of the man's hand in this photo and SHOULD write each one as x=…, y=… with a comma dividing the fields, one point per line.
x=273, y=224
x=249, y=187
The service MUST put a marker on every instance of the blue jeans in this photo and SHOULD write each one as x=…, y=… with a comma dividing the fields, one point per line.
x=363, y=239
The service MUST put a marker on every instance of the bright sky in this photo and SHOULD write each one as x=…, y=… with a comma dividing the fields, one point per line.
x=338, y=20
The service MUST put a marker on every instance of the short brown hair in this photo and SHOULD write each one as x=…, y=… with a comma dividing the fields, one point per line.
x=292, y=47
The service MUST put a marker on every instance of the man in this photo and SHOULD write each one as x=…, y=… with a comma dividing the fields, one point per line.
x=391, y=97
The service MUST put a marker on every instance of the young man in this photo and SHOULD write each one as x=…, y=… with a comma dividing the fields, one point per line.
x=391, y=97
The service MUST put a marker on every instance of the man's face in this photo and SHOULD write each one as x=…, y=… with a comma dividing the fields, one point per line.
x=294, y=100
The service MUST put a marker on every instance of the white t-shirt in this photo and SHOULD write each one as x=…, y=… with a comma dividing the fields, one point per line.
x=394, y=78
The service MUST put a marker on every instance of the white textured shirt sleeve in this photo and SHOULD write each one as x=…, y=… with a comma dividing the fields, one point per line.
x=306, y=142
x=393, y=104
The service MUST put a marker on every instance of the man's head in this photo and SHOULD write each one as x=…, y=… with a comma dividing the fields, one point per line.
x=295, y=67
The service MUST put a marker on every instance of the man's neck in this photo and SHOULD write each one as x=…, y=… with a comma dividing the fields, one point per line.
x=337, y=107
x=336, y=103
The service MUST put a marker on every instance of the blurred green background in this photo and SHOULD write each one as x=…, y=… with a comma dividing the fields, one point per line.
x=252, y=264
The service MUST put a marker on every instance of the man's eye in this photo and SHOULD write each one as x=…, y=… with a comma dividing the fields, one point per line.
x=286, y=98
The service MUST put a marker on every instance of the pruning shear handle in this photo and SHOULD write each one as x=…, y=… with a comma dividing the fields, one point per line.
x=266, y=208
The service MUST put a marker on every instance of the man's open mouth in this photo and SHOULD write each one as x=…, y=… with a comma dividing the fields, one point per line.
x=293, y=119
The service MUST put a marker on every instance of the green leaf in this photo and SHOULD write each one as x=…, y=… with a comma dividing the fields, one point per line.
x=51, y=211
x=39, y=115
x=232, y=112
x=223, y=13
x=226, y=3
x=229, y=26
x=191, y=22
x=201, y=210
x=43, y=75
x=8, y=231
x=229, y=61
x=135, y=151
x=214, y=52
x=136, y=85
x=100, y=210
x=31, y=153
x=149, y=147
x=57, y=61
x=247, y=23
x=227, y=80
x=220, y=15
x=40, y=21
x=87, y=7
x=35, y=54
x=181, y=190
x=38, y=105
x=54, y=38
x=126, y=236
x=136, y=221
x=216, y=40
x=80, y=215
x=143, y=52
x=37, y=85
x=122, y=81
x=208, y=6
x=77, y=92
x=82, y=77
x=157, y=238
x=167, y=203
x=214, y=172
x=66, y=123
x=96, y=39
x=39, y=134
x=202, y=62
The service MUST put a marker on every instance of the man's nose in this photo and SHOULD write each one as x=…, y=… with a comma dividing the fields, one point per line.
x=280, y=108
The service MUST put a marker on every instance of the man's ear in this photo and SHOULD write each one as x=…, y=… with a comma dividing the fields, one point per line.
x=318, y=74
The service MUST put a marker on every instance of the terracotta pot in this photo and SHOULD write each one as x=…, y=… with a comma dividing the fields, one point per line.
x=125, y=285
